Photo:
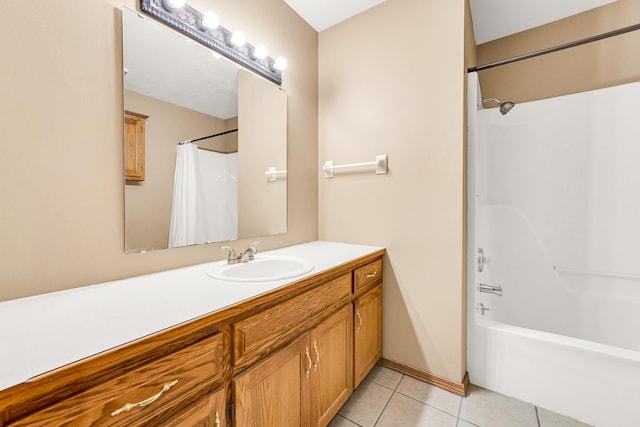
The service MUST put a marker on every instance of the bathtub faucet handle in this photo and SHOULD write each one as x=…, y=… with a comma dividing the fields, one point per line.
x=482, y=308
x=482, y=260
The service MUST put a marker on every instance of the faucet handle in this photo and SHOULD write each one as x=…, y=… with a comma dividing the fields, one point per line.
x=249, y=252
x=232, y=258
x=252, y=247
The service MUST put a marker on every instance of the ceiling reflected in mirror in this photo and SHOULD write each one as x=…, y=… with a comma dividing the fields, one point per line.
x=178, y=71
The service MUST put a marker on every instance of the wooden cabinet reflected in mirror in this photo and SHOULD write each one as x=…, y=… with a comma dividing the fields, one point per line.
x=134, y=146
x=188, y=93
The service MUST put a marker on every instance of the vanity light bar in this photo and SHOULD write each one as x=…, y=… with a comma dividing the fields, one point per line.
x=189, y=22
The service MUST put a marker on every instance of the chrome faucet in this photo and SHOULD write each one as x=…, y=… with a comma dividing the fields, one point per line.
x=246, y=255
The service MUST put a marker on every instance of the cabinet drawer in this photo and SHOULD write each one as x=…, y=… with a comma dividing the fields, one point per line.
x=206, y=412
x=267, y=330
x=158, y=386
x=366, y=276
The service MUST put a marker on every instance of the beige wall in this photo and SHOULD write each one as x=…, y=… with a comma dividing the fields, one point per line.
x=148, y=202
x=596, y=65
x=391, y=81
x=61, y=181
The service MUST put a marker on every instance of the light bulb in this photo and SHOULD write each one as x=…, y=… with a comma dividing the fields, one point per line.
x=210, y=20
x=216, y=55
x=238, y=38
x=176, y=4
x=260, y=51
x=280, y=63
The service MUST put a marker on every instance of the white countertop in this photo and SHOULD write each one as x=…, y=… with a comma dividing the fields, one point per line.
x=45, y=332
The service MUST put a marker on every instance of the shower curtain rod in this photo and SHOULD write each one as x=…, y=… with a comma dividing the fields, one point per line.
x=556, y=48
x=210, y=136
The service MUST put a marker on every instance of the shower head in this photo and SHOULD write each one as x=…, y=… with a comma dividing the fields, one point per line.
x=505, y=107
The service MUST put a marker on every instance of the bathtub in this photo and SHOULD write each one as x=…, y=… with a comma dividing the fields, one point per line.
x=560, y=337
x=591, y=382
x=556, y=339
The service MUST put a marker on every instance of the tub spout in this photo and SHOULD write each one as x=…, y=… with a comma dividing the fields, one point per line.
x=490, y=289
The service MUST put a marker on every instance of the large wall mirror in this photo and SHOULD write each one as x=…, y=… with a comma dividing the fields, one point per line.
x=217, y=187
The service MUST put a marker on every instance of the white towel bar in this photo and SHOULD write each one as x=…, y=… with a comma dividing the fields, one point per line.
x=380, y=166
x=272, y=174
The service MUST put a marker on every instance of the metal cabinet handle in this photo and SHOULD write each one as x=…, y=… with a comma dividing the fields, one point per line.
x=370, y=275
x=315, y=364
x=216, y=423
x=130, y=406
x=359, y=321
x=306, y=372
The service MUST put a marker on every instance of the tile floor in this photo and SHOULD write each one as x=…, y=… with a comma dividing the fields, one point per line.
x=388, y=398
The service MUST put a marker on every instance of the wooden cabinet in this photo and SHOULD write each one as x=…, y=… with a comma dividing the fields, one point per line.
x=261, y=333
x=142, y=396
x=304, y=384
x=367, y=333
x=134, y=132
x=275, y=392
x=207, y=412
x=367, y=276
x=331, y=345
x=288, y=357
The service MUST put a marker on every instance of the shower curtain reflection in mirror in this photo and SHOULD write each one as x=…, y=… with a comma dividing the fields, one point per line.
x=201, y=210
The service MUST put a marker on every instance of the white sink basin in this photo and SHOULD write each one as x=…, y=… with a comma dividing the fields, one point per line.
x=265, y=268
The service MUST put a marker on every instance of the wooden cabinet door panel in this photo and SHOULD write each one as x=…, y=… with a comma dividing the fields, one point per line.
x=275, y=392
x=134, y=133
x=367, y=333
x=206, y=412
x=332, y=373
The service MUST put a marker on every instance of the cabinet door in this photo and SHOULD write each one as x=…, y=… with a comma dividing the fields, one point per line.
x=134, y=146
x=207, y=412
x=368, y=333
x=275, y=392
x=332, y=373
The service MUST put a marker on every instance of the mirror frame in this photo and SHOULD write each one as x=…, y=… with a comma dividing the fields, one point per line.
x=187, y=21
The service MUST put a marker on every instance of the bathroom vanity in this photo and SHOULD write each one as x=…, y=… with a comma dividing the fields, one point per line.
x=287, y=352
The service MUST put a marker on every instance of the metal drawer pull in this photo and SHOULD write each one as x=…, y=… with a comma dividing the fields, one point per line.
x=370, y=275
x=490, y=289
x=306, y=372
x=216, y=423
x=359, y=321
x=130, y=406
x=315, y=348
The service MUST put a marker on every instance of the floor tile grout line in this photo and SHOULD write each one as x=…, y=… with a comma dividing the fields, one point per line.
x=377, y=383
x=459, y=411
x=429, y=405
x=537, y=416
x=383, y=409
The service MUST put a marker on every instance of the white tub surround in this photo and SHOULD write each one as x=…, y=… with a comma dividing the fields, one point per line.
x=45, y=332
x=552, y=199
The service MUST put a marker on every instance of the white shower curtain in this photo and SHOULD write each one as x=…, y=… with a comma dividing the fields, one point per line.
x=188, y=216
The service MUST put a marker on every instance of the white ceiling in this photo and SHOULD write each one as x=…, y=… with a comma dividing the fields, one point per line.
x=492, y=19
x=322, y=14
